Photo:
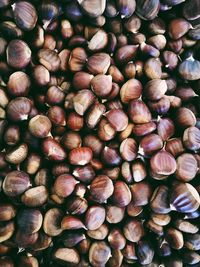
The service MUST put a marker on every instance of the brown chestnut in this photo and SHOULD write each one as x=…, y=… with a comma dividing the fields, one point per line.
x=40, y=126
x=15, y=183
x=101, y=188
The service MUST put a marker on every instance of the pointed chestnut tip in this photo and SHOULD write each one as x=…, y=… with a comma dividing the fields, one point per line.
x=13, y=6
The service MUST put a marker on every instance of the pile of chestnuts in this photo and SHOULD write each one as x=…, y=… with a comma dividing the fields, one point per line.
x=99, y=133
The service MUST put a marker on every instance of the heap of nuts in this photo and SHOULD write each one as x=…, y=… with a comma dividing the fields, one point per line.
x=99, y=133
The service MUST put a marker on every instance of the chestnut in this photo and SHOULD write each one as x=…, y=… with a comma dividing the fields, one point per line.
x=174, y=146
x=144, y=128
x=189, y=69
x=162, y=164
x=116, y=239
x=73, y=11
x=152, y=69
x=49, y=59
x=126, y=53
x=82, y=80
x=48, y=12
x=64, y=185
x=121, y=195
x=190, y=10
x=99, y=253
x=139, y=112
x=77, y=205
x=133, y=230
x=57, y=116
x=19, y=108
x=184, y=198
x=186, y=167
x=80, y=156
x=185, y=117
x=93, y=8
x=54, y=95
x=18, y=84
x=28, y=260
x=117, y=119
x=53, y=150
x=100, y=233
x=101, y=85
x=165, y=128
x=71, y=239
x=94, y=217
x=101, y=188
x=77, y=59
x=155, y=89
x=110, y=156
x=7, y=212
x=145, y=252
x=12, y=135
x=98, y=41
x=186, y=226
x=40, y=126
x=15, y=183
x=41, y=75
x=98, y=63
x=43, y=241
x=6, y=231
x=130, y=90
x=128, y=149
x=174, y=238
x=160, y=200
x=71, y=140
x=139, y=171
x=66, y=256
x=75, y=121
x=114, y=214
x=18, y=54
x=17, y=154
x=25, y=15
x=116, y=74
x=141, y=193
x=158, y=40
x=191, y=139
x=147, y=9
x=35, y=196
x=178, y=27
x=25, y=240
x=84, y=173
x=29, y=220
x=83, y=100
x=71, y=222
x=150, y=144
x=126, y=7
x=133, y=24
x=129, y=252
x=192, y=242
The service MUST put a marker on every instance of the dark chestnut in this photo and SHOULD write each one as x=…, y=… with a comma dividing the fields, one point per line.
x=18, y=54
x=25, y=15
